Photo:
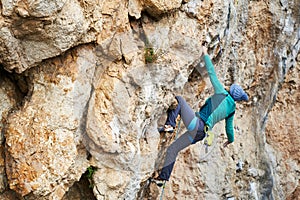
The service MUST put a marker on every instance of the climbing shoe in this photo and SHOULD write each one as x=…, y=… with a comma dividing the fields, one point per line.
x=166, y=128
x=159, y=182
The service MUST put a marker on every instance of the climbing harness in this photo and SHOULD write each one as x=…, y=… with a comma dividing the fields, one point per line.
x=192, y=124
x=208, y=145
x=209, y=137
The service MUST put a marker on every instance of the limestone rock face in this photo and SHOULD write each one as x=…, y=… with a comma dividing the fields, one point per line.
x=87, y=83
x=43, y=146
x=281, y=134
x=158, y=7
x=8, y=100
x=31, y=32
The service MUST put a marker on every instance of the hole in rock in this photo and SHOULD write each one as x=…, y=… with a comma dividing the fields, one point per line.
x=81, y=190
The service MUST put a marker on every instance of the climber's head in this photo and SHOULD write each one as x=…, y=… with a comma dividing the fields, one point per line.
x=237, y=93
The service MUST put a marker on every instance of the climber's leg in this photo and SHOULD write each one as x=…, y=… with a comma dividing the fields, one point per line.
x=188, y=138
x=171, y=154
x=172, y=116
x=186, y=112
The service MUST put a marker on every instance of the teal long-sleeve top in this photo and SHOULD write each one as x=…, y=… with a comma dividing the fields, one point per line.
x=220, y=105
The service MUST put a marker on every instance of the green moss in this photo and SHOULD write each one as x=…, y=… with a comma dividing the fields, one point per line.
x=151, y=54
x=89, y=174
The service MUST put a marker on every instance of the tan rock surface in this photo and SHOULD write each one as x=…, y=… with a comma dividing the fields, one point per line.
x=157, y=7
x=100, y=104
x=32, y=32
x=282, y=134
x=43, y=147
x=8, y=100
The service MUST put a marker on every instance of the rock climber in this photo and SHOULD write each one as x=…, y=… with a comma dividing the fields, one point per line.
x=219, y=106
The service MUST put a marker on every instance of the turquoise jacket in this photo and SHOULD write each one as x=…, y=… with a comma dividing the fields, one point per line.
x=220, y=105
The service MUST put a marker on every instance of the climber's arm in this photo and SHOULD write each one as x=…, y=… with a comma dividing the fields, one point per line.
x=218, y=87
x=229, y=129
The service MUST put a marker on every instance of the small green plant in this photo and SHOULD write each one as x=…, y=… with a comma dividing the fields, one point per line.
x=89, y=174
x=151, y=55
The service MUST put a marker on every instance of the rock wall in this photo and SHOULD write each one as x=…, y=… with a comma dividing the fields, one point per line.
x=87, y=83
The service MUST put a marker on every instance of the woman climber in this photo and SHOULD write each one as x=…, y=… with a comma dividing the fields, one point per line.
x=221, y=105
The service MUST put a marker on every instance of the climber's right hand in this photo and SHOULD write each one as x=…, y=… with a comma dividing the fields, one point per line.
x=204, y=50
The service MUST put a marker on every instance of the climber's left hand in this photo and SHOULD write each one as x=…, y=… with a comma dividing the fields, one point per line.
x=226, y=144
